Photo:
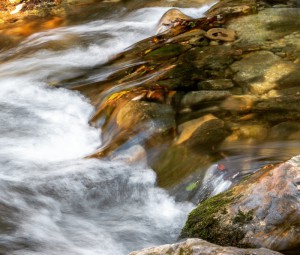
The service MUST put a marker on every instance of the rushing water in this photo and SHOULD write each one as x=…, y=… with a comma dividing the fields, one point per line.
x=52, y=201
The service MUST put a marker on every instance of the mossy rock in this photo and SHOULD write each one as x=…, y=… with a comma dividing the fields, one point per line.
x=254, y=213
x=204, y=222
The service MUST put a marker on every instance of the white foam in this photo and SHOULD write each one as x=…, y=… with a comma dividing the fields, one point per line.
x=62, y=204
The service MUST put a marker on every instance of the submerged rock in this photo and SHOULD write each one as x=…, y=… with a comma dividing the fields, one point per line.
x=262, y=211
x=200, y=247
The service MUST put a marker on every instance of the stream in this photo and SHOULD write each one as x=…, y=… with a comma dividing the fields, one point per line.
x=55, y=201
x=52, y=201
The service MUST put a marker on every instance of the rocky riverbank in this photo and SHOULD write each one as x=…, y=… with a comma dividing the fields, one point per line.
x=192, y=92
x=203, y=86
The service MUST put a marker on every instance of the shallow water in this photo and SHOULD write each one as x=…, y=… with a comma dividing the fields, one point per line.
x=52, y=201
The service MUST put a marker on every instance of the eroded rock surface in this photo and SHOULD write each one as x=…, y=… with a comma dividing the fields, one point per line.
x=200, y=247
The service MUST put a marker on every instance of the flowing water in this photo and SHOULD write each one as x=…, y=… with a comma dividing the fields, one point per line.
x=52, y=201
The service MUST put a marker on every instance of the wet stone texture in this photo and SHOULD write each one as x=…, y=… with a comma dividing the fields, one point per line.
x=262, y=211
x=248, y=82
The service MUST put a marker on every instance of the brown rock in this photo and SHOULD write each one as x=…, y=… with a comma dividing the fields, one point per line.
x=138, y=115
x=204, y=133
x=195, y=98
x=187, y=129
x=251, y=131
x=168, y=19
x=284, y=130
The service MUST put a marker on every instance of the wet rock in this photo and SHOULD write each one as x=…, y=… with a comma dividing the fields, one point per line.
x=187, y=129
x=195, y=98
x=204, y=133
x=292, y=47
x=137, y=115
x=242, y=103
x=165, y=52
x=284, y=92
x=200, y=247
x=266, y=26
x=261, y=71
x=285, y=130
x=191, y=37
x=221, y=34
x=287, y=104
x=169, y=18
x=212, y=58
x=232, y=7
x=251, y=131
x=219, y=84
x=131, y=121
x=262, y=211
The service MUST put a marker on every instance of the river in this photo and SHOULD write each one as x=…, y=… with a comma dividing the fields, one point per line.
x=52, y=201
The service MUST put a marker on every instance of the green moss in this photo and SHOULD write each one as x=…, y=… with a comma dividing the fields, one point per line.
x=185, y=252
x=165, y=52
x=204, y=217
x=204, y=222
x=243, y=218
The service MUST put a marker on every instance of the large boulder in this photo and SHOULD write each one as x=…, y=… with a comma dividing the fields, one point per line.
x=200, y=247
x=262, y=211
x=262, y=71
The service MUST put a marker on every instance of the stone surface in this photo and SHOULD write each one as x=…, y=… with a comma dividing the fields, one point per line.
x=139, y=115
x=168, y=19
x=267, y=25
x=262, y=71
x=219, y=84
x=208, y=135
x=200, y=247
x=285, y=130
x=187, y=129
x=262, y=211
x=251, y=131
x=195, y=98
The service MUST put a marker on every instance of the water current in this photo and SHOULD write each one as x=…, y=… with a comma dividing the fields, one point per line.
x=52, y=201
